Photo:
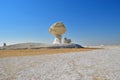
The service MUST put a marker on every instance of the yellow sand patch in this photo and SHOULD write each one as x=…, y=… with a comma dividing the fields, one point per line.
x=11, y=53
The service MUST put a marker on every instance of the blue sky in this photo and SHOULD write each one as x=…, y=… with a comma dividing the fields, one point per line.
x=88, y=22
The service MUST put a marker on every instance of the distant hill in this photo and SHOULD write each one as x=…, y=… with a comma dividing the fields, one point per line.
x=40, y=45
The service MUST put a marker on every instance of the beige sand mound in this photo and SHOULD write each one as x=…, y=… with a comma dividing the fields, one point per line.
x=11, y=53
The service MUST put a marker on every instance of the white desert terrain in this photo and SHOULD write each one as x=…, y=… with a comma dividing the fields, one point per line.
x=100, y=64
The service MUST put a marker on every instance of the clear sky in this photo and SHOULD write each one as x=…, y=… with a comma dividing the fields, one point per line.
x=88, y=22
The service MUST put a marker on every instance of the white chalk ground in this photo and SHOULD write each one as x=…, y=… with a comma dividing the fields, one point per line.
x=103, y=64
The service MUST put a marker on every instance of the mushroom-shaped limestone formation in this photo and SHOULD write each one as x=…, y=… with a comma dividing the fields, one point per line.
x=57, y=29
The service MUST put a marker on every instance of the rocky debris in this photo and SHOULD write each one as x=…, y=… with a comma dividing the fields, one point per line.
x=66, y=41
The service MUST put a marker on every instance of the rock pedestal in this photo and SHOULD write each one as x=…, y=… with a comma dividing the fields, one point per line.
x=57, y=39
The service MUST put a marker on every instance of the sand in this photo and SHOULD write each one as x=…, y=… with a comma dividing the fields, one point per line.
x=100, y=64
x=28, y=52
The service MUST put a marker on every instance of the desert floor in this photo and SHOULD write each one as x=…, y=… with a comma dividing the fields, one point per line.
x=28, y=52
x=98, y=64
